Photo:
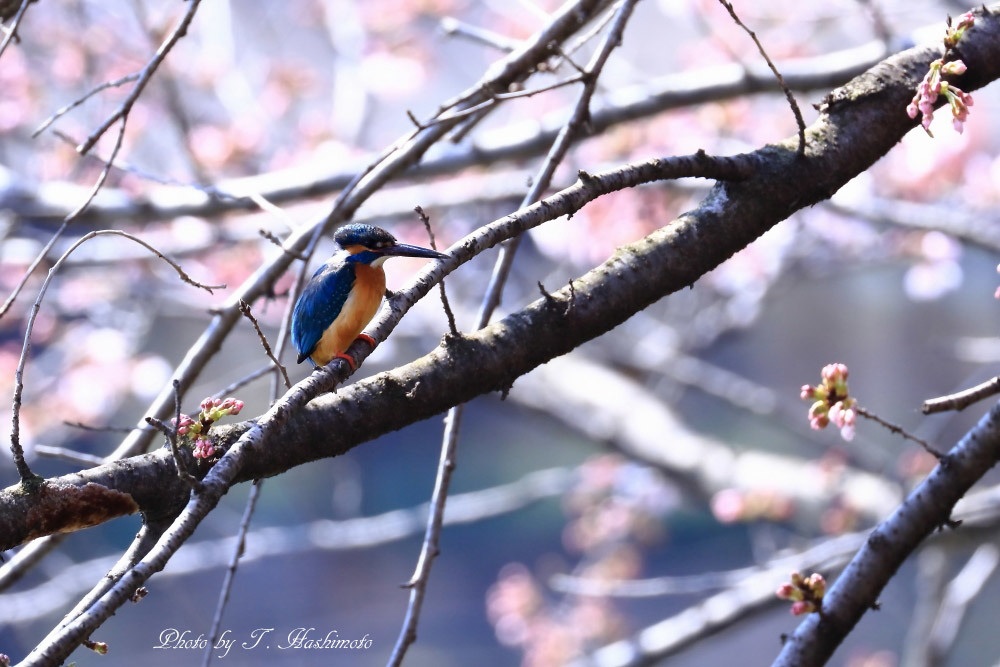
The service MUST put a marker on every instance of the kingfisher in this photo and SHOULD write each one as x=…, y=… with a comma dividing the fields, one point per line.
x=344, y=294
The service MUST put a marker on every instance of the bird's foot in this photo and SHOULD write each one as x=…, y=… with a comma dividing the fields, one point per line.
x=368, y=339
x=350, y=361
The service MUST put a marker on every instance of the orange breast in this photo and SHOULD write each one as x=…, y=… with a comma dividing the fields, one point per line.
x=358, y=311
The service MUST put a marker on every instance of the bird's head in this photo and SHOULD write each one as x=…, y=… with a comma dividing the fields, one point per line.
x=373, y=245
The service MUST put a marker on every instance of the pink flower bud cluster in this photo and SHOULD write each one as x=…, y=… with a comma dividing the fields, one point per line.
x=831, y=401
x=933, y=85
x=203, y=448
x=954, y=33
x=187, y=425
x=806, y=594
x=212, y=410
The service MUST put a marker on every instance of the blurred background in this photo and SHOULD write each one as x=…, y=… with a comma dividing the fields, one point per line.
x=607, y=509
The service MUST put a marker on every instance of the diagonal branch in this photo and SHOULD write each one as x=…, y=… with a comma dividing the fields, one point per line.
x=11, y=32
x=777, y=75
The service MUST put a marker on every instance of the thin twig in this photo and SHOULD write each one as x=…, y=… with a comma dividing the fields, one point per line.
x=572, y=63
x=171, y=436
x=12, y=30
x=492, y=101
x=245, y=309
x=173, y=98
x=75, y=213
x=444, y=296
x=585, y=37
x=274, y=240
x=963, y=399
x=144, y=77
x=234, y=561
x=781, y=81
x=170, y=433
x=80, y=100
x=70, y=455
x=429, y=550
x=181, y=273
x=899, y=430
x=452, y=26
x=101, y=429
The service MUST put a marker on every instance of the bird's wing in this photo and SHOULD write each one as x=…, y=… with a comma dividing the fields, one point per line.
x=320, y=304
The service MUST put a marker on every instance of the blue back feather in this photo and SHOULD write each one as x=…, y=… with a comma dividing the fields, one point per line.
x=321, y=302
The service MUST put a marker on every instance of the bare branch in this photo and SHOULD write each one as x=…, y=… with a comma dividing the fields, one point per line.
x=237, y=553
x=245, y=309
x=899, y=430
x=444, y=295
x=781, y=81
x=963, y=399
x=10, y=33
x=452, y=26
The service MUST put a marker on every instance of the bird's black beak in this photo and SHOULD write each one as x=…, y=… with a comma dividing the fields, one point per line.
x=407, y=250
